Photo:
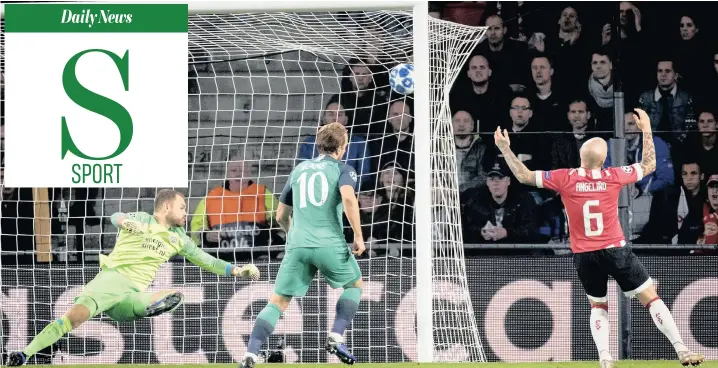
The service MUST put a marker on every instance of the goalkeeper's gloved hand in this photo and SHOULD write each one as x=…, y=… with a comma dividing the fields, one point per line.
x=134, y=227
x=248, y=271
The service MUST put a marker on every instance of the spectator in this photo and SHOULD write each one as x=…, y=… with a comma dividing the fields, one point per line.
x=470, y=152
x=707, y=232
x=520, y=18
x=357, y=154
x=569, y=49
x=669, y=106
x=480, y=96
x=546, y=100
x=464, y=138
x=690, y=203
x=531, y=148
x=495, y=214
x=633, y=47
x=374, y=215
x=630, y=20
x=565, y=149
x=709, y=85
x=701, y=147
x=366, y=104
x=237, y=214
x=508, y=58
x=398, y=145
x=400, y=199
x=692, y=54
x=17, y=240
x=660, y=179
x=600, y=87
x=650, y=194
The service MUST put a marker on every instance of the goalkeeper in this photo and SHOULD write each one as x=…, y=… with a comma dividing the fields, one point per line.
x=144, y=243
x=318, y=190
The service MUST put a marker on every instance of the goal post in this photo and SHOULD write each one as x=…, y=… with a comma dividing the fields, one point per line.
x=422, y=204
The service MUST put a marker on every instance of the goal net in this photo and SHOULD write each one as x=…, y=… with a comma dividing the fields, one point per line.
x=259, y=86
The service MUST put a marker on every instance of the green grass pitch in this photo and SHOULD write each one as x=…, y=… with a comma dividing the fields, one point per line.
x=620, y=364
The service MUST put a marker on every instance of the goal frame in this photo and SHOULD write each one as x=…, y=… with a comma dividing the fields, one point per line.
x=422, y=131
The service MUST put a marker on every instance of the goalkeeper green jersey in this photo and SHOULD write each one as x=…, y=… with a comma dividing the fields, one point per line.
x=138, y=257
x=313, y=192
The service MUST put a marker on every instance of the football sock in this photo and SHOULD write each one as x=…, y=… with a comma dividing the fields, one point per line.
x=601, y=330
x=347, y=306
x=663, y=319
x=263, y=327
x=48, y=336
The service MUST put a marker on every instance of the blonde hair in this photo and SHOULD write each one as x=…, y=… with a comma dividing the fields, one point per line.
x=331, y=138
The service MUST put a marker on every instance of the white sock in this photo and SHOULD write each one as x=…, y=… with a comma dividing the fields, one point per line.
x=601, y=330
x=663, y=319
x=250, y=355
x=336, y=337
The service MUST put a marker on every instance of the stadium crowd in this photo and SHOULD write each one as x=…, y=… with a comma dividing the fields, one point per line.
x=545, y=72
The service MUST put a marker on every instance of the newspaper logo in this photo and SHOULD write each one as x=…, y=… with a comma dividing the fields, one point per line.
x=101, y=109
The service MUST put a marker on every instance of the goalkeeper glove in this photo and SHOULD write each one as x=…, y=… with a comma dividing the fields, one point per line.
x=248, y=271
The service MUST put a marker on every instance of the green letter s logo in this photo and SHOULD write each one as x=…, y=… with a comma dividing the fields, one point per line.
x=96, y=103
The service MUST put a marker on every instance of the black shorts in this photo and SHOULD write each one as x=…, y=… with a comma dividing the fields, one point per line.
x=593, y=269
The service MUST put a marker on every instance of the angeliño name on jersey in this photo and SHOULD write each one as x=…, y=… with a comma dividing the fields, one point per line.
x=597, y=186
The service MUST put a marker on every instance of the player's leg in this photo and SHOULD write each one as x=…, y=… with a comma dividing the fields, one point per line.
x=49, y=335
x=346, y=307
x=595, y=283
x=663, y=319
x=100, y=294
x=340, y=269
x=136, y=305
x=634, y=280
x=293, y=279
x=163, y=302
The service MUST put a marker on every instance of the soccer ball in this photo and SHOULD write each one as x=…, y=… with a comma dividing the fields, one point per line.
x=401, y=79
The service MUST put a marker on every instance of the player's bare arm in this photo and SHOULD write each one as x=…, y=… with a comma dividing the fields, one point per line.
x=648, y=161
x=351, y=209
x=284, y=216
x=520, y=171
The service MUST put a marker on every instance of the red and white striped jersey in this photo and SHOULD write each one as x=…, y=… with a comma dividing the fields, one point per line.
x=591, y=201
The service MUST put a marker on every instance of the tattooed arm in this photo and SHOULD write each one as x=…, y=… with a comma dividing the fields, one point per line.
x=520, y=171
x=648, y=161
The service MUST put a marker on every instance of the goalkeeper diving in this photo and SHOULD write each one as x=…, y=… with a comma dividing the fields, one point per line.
x=145, y=242
x=310, y=211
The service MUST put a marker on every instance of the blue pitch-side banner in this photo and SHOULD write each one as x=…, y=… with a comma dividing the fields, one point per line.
x=527, y=309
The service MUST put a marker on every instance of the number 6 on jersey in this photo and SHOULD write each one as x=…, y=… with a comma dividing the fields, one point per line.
x=591, y=201
x=588, y=216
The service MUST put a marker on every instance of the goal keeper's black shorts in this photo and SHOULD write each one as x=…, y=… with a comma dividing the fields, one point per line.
x=593, y=269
